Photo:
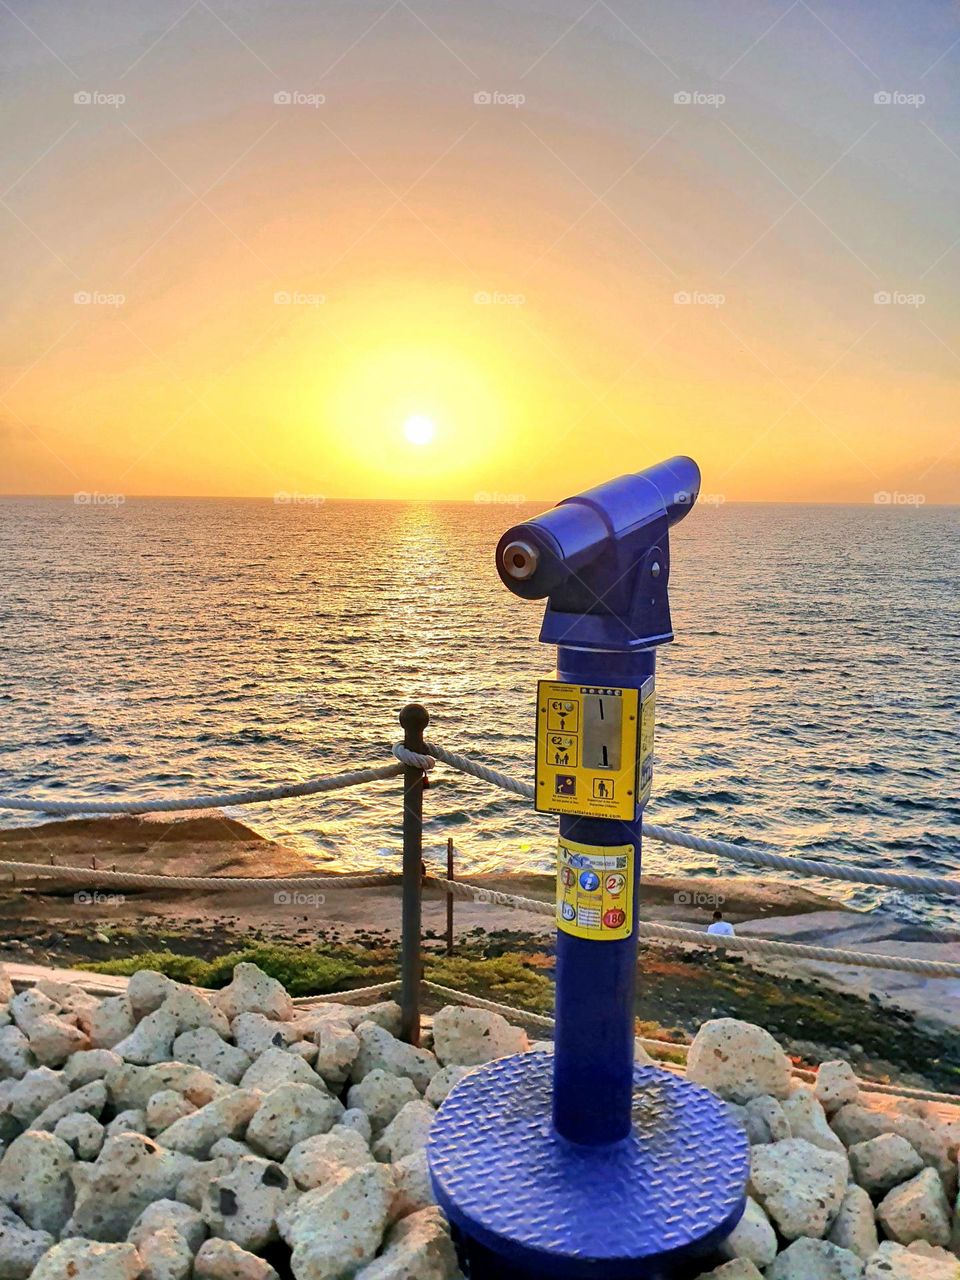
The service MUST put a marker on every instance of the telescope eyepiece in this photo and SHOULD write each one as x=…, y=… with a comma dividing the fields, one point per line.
x=520, y=560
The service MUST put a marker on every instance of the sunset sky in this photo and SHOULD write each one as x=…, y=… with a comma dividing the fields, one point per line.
x=246, y=242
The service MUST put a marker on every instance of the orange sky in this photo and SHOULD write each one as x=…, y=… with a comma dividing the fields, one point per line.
x=210, y=291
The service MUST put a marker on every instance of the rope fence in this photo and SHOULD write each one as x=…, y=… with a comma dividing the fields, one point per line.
x=413, y=764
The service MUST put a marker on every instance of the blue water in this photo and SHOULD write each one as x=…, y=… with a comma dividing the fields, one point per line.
x=809, y=703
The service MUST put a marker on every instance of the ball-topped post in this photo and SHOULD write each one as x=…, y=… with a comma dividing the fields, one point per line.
x=413, y=720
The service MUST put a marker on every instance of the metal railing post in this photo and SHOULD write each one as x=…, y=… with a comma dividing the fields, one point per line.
x=450, y=896
x=414, y=720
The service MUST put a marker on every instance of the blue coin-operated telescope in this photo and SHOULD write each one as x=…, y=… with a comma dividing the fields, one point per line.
x=580, y=1164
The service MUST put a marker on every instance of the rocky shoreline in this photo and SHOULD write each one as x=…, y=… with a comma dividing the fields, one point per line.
x=170, y=1133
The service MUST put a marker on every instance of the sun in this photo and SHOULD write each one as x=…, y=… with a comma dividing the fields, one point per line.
x=419, y=430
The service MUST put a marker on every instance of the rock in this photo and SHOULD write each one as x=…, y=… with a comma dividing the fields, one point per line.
x=855, y=1227
x=915, y=1210
x=253, y=991
x=276, y=1067
x=35, y=1180
x=232, y=1148
x=738, y=1061
x=467, y=1037
x=82, y=1133
x=337, y=1049
x=407, y=1132
x=89, y=1065
x=321, y=1158
x=800, y=1187
x=441, y=1084
x=6, y=986
x=130, y=1173
x=224, y=1260
x=837, y=1084
x=34, y=1092
x=90, y=1099
x=417, y=1248
x=807, y=1119
x=150, y=1041
x=87, y=1260
x=740, y=1269
x=242, y=1205
x=380, y=1050
x=255, y=1034
x=15, y=1056
x=131, y=1086
x=765, y=1121
x=854, y=1124
x=386, y=1014
x=815, y=1260
x=357, y=1120
x=147, y=990
x=191, y=1010
x=288, y=1115
x=21, y=1248
x=338, y=1228
x=753, y=1237
x=381, y=1095
x=192, y=1187
x=53, y=1039
x=227, y=1117
x=883, y=1162
x=894, y=1262
x=130, y=1121
x=412, y=1188
x=111, y=1022
x=164, y=1253
x=171, y=1215
x=205, y=1049
x=27, y=1008
x=165, y=1108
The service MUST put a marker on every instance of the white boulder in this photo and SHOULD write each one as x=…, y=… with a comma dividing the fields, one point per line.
x=88, y=1260
x=337, y=1228
x=855, y=1227
x=203, y=1048
x=815, y=1260
x=468, y=1037
x=379, y=1050
x=243, y=1205
x=837, y=1084
x=417, y=1248
x=916, y=1210
x=289, y=1114
x=36, y=1182
x=738, y=1061
x=882, y=1163
x=253, y=991
x=753, y=1237
x=800, y=1186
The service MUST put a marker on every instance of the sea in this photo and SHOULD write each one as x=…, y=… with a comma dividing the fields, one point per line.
x=809, y=703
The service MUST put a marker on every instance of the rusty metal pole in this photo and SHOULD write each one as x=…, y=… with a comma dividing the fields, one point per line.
x=450, y=896
x=414, y=720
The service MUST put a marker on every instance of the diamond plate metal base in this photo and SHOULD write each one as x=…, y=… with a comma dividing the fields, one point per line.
x=525, y=1204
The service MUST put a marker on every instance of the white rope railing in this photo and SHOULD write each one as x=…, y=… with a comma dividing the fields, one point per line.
x=747, y=946
x=220, y=800
x=136, y=880
x=938, y=886
x=662, y=1048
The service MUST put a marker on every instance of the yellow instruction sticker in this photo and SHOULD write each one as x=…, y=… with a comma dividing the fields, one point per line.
x=595, y=890
x=594, y=749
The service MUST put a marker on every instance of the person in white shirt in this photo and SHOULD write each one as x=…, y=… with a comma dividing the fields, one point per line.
x=720, y=925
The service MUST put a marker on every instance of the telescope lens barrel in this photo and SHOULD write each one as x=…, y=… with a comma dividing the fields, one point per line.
x=520, y=560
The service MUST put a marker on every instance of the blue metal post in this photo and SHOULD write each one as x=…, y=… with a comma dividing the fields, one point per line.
x=596, y=980
x=579, y=1165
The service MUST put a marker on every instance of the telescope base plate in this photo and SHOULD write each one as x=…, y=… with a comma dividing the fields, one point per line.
x=525, y=1204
